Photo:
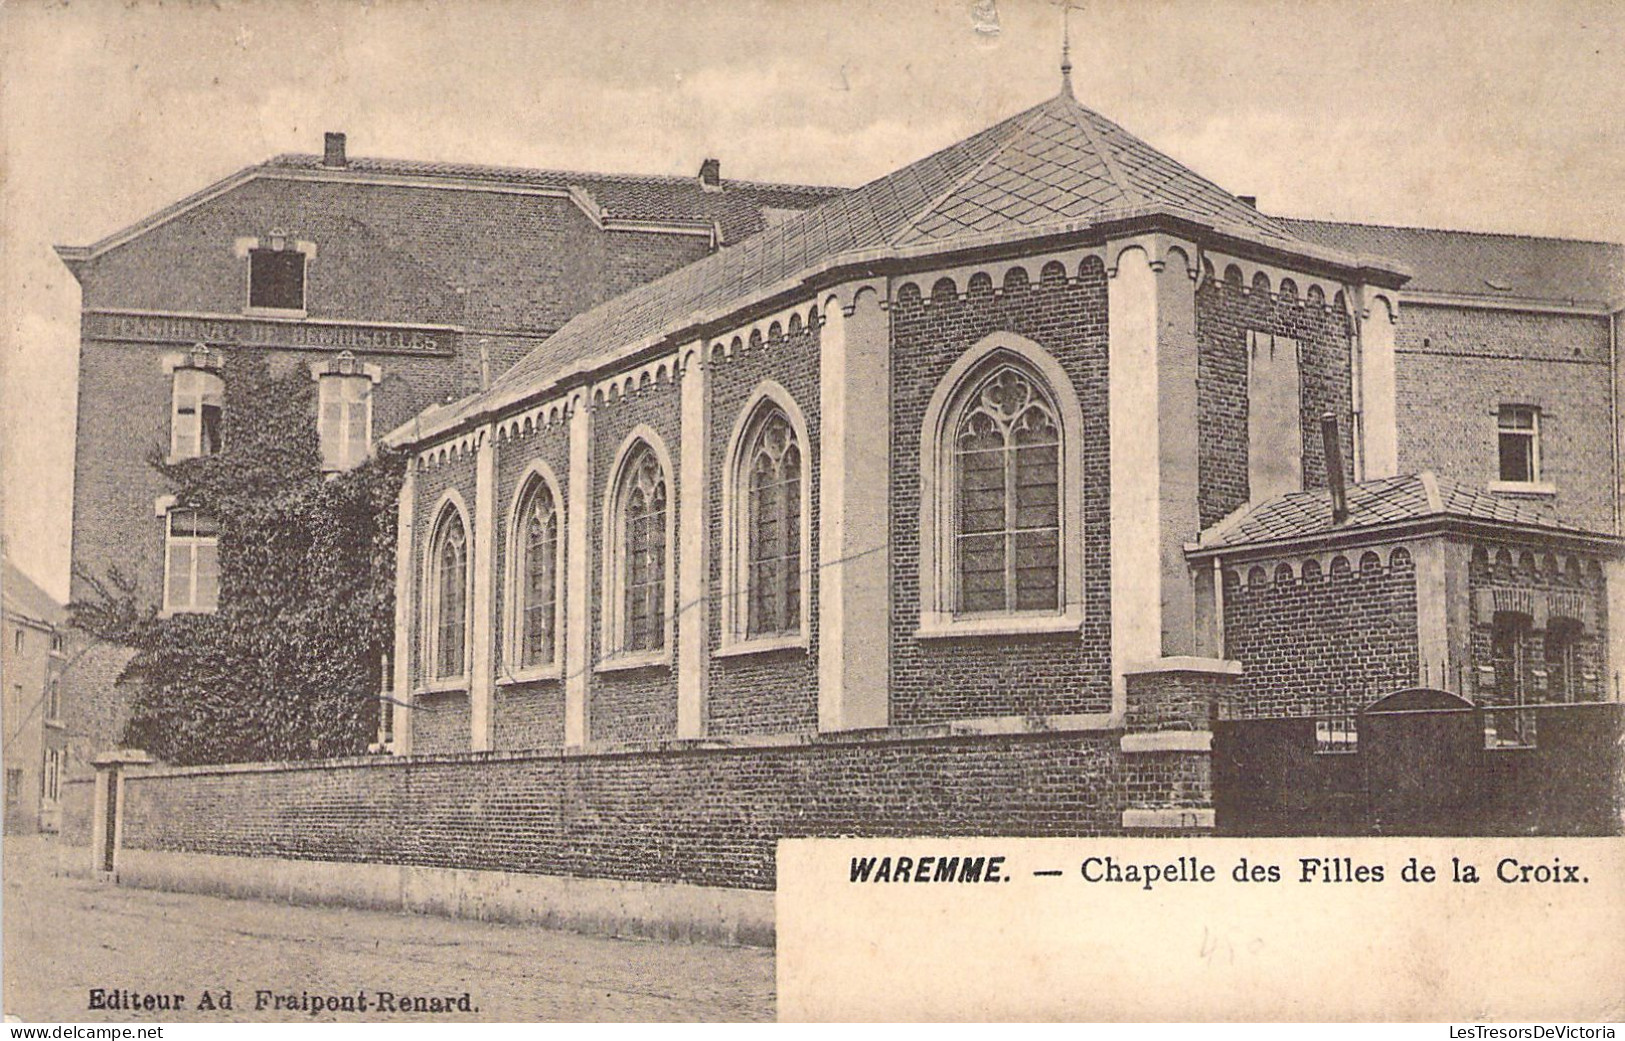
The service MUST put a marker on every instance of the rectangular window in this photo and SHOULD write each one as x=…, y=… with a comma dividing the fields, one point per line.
x=276, y=279
x=191, y=567
x=194, y=427
x=344, y=420
x=1274, y=417
x=1519, y=435
x=14, y=784
x=50, y=775
x=17, y=641
x=53, y=699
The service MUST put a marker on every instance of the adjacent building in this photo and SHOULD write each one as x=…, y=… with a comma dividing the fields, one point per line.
x=394, y=284
x=32, y=657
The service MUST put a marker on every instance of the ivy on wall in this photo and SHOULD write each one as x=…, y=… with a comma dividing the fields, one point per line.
x=288, y=666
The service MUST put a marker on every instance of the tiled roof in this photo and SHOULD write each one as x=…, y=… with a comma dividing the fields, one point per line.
x=1057, y=165
x=736, y=208
x=1469, y=263
x=1381, y=501
x=23, y=597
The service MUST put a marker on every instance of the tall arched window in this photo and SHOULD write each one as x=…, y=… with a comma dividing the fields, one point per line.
x=636, y=607
x=1007, y=496
x=534, y=582
x=447, y=596
x=765, y=537
x=774, y=507
x=1001, y=495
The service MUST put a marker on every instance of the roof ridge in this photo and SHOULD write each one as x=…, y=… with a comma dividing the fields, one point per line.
x=1448, y=231
x=1077, y=110
x=1184, y=167
x=1430, y=485
x=282, y=158
x=1021, y=121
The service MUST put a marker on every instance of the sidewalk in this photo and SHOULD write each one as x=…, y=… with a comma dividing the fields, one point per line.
x=64, y=937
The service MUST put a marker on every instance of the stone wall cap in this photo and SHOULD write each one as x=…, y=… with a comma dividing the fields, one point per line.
x=1184, y=663
x=123, y=757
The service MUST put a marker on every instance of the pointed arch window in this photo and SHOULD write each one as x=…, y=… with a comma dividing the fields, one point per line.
x=637, y=601
x=774, y=508
x=534, y=578
x=1001, y=496
x=1007, y=496
x=765, y=527
x=447, y=598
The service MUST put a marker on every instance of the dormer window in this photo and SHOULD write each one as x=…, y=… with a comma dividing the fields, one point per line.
x=276, y=279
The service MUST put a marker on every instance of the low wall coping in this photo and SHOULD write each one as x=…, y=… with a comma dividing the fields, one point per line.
x=123, y=757
x=1184, y=663
x=955, y=730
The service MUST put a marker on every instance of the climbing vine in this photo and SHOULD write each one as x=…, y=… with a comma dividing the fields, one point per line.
x=288, y=666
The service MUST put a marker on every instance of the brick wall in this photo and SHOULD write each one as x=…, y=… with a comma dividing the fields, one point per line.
x=700, y=816
x=1225, y=313
x=528, y=715
x=634, y=704
x=1321, y=635
x=776, y=692
x=125, y=399
x=935, y=680
x=440, y=722
x=1455, y=367
x=485, y=260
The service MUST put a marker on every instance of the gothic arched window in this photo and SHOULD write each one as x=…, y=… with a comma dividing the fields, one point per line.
x=765, y=537
x=534, y=578
x=1007, y=496
x=1002, y=495
x=636, y=612
x=447, y=597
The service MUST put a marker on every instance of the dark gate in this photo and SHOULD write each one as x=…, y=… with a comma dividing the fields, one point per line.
x=1424, y=762
x=1419, y=752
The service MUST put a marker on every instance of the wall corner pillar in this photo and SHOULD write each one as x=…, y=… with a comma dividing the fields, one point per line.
x=577, y=572
x=854, y=631
x=1167, y=743
x=406, y=615
x=1151, y=389
x=482, y=645
x=693, y=599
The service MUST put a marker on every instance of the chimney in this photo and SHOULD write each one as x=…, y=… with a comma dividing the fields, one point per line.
x=711, y=175
x=1250, y=200
x=333, y=151
x=1334, y=467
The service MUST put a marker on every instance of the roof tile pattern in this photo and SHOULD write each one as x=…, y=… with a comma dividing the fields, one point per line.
x=1514, y=267
x=1384, y=500
x=1056, y=163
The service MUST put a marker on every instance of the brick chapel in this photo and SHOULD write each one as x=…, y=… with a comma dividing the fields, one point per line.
x=1026, y=476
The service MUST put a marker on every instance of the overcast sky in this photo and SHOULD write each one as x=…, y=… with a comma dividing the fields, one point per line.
x=1476, y=115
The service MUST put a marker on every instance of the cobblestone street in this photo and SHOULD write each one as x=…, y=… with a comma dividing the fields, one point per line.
x=65, y=937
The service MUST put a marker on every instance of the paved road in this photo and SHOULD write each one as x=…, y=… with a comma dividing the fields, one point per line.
x=65, y=936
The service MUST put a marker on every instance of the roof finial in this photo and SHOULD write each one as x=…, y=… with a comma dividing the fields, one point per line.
x=1066, y=46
